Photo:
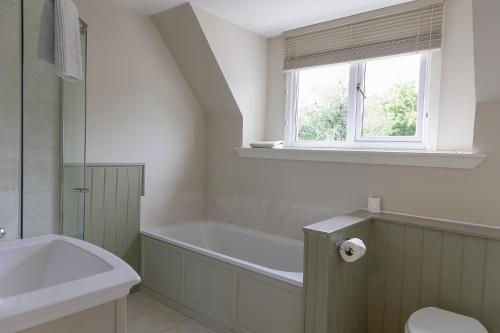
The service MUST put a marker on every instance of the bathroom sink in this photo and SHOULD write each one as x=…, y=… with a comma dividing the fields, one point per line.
x=49, y=277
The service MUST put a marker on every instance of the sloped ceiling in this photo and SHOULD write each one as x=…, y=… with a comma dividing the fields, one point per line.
x=184, y=36
x=243, y=59
x=268, y=17
x=225, y=65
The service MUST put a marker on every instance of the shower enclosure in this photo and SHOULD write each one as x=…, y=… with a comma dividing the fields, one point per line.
x=42, y=132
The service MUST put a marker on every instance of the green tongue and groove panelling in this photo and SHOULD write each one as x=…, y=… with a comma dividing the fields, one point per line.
x=407, y=267
x=112, y=207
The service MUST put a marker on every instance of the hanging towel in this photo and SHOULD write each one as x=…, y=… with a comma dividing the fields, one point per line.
x=68, y=53
x=60, y=38
x=46, y=41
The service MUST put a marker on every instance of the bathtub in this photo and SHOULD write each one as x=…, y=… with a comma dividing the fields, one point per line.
x=231, y=278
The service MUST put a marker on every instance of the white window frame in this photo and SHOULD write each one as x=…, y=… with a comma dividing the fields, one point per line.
x=354, y=138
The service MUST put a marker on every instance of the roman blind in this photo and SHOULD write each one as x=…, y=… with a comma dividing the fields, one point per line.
x=409, y=27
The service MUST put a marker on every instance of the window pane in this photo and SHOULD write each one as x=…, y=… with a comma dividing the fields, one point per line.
x=391, y=90
x=322, y=103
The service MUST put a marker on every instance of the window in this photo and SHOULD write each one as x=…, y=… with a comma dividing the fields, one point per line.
x=375, y=103
x=322, y=105
x=362, y=80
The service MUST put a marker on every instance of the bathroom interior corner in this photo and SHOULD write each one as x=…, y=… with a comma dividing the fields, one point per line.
x=284, y=166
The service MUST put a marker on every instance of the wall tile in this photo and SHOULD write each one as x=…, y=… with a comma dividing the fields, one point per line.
x=276, y=217
x=10, y=123
x=41, y=170
x=10, y=116
x=9, y=25
x=166, y=208
x=41, y=213
x=42, y=125
x=9, y=213
x=9, y=175
x=41, y=85
x=9, y=76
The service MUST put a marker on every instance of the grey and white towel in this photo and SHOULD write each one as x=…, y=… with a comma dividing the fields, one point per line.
x=46, y=41
x=60, y=38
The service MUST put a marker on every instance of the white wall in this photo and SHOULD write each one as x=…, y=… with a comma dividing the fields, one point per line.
x=272, y=195
x=257, y=193
x=458, y=90
x=140, y=109
x=487, y=54
x=234, y=183
x=242, y=57
x=455, y=121
x=181, y=31
x=275, y=115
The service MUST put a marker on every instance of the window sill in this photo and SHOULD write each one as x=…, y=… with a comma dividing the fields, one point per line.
x=439, y=159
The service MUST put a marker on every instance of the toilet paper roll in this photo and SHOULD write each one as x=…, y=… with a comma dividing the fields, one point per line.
x=352, y=250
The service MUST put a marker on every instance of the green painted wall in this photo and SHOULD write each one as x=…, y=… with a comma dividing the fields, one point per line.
x=112, y=207
x=336, y=293
x=406, y=268
x=411, y=268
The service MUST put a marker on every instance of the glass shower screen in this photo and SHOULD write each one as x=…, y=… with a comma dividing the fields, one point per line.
x=73, y=155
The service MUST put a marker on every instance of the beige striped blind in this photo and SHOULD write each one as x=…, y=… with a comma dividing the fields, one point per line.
x=409, y=27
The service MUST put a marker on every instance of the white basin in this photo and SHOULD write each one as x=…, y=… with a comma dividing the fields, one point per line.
x=49, y=277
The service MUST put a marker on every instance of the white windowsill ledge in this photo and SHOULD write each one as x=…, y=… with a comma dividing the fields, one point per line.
x=439, y=159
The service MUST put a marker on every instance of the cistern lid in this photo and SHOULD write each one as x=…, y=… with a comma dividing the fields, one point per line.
x=434, y=320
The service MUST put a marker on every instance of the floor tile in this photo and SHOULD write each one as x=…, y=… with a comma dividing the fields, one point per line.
x=189, y=326
x=146, y=315
x=155, y=321
x=138, y=304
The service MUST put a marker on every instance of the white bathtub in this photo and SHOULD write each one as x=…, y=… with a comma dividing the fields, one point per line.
x=231, y=278
x=274, y=256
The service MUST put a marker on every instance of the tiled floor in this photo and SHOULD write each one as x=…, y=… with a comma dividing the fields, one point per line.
x=146, y=315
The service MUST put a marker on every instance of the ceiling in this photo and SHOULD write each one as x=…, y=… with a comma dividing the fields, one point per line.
x=268, y=17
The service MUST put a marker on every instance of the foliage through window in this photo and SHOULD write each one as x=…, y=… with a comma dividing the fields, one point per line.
x=322, y=103
x=373, y=103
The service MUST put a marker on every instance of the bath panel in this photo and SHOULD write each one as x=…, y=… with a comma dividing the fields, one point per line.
x=180, y=266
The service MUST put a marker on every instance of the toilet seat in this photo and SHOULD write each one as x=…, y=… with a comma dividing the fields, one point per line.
x=434, y=320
